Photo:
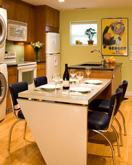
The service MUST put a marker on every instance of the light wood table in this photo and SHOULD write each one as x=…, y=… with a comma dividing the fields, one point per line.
x=58, y=121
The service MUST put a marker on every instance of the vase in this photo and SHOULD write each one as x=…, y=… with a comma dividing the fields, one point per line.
x=90, y=42
x=37, y=53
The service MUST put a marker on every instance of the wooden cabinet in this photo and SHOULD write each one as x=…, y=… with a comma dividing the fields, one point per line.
x=39, y=19
x=11, y=8
x=51, y=19
x=21, y=11
x=41, y=69
x=115, y=76
x=12, y=78
x=12, y=74
x=46, y=20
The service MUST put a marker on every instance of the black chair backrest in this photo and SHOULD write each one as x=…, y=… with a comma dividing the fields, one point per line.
x=124, y=86
x=112, y=104
x=115, y=101
x=17, y=88
x=119, y=95
x=40, y=81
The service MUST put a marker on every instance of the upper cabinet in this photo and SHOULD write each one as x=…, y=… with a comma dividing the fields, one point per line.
x=46, y=20
x=20, y=11
x=39, y=19
x=51, y=19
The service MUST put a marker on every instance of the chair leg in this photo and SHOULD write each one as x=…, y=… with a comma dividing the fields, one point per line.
x=124, y=122
x=10, y=134
x=25, y=128
x=120, y=130
x=111, y=146
x=117, y=139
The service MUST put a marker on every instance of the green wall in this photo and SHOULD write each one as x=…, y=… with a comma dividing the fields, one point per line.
x=79, y=54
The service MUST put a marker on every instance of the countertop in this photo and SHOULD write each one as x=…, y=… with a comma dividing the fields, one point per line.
x=9, y=64
x=99, y=66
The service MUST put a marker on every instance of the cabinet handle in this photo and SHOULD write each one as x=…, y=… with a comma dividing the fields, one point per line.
x=113, y=76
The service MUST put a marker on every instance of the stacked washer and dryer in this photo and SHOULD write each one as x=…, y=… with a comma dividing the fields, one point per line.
x=3, y=67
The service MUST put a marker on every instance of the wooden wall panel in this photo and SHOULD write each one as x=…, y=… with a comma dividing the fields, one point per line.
x=21, y=11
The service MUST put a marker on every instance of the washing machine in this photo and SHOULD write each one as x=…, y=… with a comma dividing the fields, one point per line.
x=3, y=32
x=3, y=89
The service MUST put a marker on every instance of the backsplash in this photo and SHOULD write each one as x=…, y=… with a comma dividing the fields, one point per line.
x=17, y=48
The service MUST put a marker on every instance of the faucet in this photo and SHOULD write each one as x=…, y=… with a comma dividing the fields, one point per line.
x=96, y=50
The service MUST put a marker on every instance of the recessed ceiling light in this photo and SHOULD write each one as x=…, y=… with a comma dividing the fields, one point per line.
x=61, y=0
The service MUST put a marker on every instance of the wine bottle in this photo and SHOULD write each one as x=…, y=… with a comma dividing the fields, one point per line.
x=66, y=78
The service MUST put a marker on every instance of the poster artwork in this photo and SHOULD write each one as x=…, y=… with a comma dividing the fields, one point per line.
x=114, y=36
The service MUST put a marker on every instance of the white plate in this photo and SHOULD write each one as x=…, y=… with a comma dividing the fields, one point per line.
x=73, y=80
x=80, y=89
x=58, y=80
x=50, y=86
x=93, y=82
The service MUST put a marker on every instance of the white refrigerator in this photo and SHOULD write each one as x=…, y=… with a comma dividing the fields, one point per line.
x=52, y=55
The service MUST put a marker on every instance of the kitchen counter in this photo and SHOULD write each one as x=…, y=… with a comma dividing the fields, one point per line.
x=96, y=66
x=97, y=70
x=19, y=63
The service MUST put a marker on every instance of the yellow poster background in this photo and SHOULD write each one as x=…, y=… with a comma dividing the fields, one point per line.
x=114, y=36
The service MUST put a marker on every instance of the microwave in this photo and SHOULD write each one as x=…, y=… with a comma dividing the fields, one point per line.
x=16, y=31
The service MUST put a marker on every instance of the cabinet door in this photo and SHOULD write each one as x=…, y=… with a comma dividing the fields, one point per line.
x=41, y=71
x=31, y=24
x=101, y=74
x=10, y=6
x=21, y=11
x=52, y=17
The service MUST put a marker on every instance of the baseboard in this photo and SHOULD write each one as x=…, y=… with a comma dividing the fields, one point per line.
x=129, y=93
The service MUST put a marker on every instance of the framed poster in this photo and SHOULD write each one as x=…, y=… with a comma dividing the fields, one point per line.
x=114, y=36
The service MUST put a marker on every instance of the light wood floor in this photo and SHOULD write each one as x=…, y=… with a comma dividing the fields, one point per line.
x=27, y=153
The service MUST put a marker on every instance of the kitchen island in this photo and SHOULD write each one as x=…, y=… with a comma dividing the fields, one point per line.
x=58, y=121
x=97, y=70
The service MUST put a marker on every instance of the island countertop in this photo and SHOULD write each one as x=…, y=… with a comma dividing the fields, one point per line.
x=96, y=66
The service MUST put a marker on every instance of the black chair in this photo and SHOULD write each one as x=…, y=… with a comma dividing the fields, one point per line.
x=103, y=105
x=38, y=81
x=124, y=86
x=14, y=90
x=99, y=121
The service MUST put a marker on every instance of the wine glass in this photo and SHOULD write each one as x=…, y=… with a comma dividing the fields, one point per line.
x=88, y=72
x=80, y=76
x=56, y=79
x=72, y=77
x=72, y=74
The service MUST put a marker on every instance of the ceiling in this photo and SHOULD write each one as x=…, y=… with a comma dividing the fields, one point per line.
x=78, y=4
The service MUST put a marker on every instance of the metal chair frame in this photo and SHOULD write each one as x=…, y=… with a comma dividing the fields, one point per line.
x=114, y=130
x=15, y=109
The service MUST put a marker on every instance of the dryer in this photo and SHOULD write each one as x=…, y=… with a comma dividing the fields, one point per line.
x=3, y=32
x=3, y=89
